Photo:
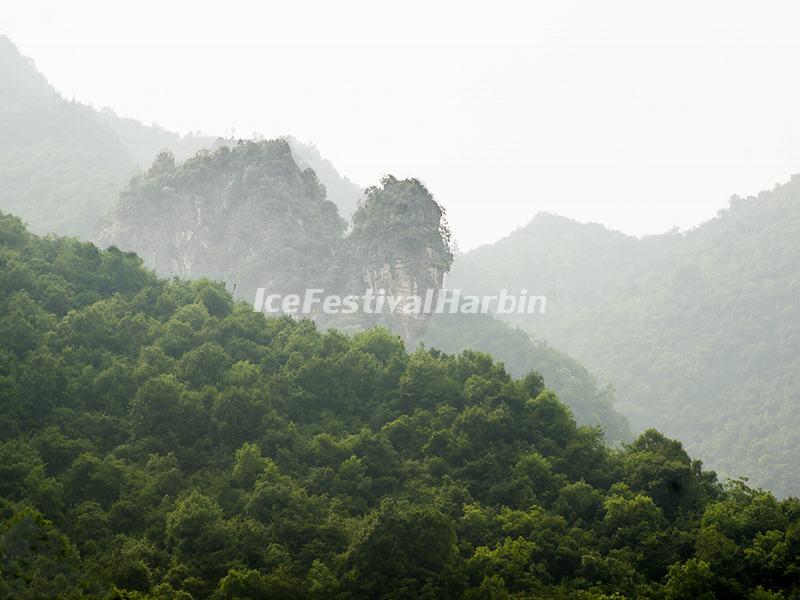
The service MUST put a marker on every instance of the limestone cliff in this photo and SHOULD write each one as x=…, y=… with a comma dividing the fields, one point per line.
x=399, y=243
x=250, y=216
x=246, y=215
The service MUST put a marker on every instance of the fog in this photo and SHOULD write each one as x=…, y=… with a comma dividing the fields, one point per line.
x=639, y=116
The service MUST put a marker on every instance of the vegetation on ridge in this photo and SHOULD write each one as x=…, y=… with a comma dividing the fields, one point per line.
x=160, y=441
x=698, y=331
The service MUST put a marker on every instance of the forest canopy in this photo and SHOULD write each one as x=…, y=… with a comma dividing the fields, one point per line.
x=161, y=441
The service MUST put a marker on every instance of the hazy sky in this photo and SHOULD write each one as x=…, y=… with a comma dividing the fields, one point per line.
x=639, y=115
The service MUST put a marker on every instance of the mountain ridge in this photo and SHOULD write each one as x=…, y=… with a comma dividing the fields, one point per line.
x=89, y=155
x=676, y=322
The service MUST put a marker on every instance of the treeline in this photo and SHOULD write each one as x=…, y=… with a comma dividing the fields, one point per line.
x=160, y=441
x=577, y=388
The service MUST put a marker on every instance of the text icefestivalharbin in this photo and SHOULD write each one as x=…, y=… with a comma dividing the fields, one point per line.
x=315, y=300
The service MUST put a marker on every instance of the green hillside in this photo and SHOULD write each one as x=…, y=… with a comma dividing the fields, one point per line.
x=699, y=332
x=160, y=441
x=576, y=387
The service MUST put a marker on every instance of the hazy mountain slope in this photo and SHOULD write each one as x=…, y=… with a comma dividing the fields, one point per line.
x=22, y=85
x=698, y=332
x=59, y=167
x=63, y=163
x=144, y=142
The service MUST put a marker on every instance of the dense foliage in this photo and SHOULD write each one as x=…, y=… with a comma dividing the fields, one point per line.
x=576, y=387
x=698, y=332
x=161, y=442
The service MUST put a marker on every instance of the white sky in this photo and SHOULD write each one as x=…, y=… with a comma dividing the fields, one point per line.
x=639, y=115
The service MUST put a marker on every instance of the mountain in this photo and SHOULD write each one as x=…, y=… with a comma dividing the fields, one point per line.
x=398, y=244
x=66, y=166
x=63, y=164
x=70, y=169
x=698, y=332
x=160, y=440
x=249, y=216
x=59, y=167
x=246, y=215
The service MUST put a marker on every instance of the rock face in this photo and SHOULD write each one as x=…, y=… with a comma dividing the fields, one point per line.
x=246, y=215
x=249, y=216
x=399, y=243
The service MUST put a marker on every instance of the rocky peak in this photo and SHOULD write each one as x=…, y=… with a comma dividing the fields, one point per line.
x=399, y=243
x=247, y=215
x=250, y=216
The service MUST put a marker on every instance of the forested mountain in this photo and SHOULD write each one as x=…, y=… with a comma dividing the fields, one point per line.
x=161, y=441
x=247, y=215
x=62, y=164
x=59, y=167
x=66, y=164
x=699, y=332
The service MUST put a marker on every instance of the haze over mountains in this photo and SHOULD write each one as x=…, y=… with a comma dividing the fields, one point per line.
x=160, y=439
x=63, y=164
x=234, y=215
x=672, y=322
x=699, y=332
